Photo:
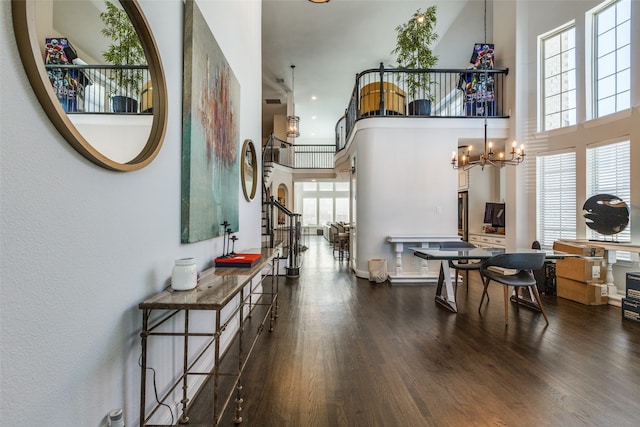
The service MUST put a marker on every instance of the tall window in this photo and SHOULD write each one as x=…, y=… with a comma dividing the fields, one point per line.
x=558, y=70
x=612, y=62
x=556, y=197
x=309, y=211
x=608, y=172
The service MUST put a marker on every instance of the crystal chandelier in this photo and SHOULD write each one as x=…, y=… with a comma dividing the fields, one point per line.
x=488, y=156
x=293, y=121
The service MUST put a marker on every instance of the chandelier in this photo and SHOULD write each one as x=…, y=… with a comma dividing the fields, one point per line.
x=293, y=121
x=488, y=156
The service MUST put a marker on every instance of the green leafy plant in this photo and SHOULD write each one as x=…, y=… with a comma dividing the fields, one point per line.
x=413, y=50
x=125, y=49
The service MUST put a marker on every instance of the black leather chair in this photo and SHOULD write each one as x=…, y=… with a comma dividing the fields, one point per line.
x=462, y=265
x=524, y=264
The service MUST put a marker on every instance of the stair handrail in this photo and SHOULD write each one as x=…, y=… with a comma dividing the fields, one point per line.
x=268, y=152
x=291, y=240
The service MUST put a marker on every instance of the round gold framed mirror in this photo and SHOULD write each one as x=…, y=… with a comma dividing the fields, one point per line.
x=26, y=20
x=249, y=170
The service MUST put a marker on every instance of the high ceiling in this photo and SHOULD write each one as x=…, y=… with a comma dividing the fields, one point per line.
x=330, y=43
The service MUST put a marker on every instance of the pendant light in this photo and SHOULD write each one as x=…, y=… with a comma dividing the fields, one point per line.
x=293, y=121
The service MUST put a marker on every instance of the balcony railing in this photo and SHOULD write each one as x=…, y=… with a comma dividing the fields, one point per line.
x=314, y=156
x=386, y=92
x=102, y=89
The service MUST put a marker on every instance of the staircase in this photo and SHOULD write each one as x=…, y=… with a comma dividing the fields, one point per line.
x=280, y=226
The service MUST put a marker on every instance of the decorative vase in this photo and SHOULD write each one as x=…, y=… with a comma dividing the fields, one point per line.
x=420, y=107
x=184, y=275
x=123, y=104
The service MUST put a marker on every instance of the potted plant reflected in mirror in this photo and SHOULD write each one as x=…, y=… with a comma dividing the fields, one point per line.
x=124, y=50
x=413, y=50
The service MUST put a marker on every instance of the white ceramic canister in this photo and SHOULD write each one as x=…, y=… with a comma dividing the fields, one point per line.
x=116, y=418
x=184, y=275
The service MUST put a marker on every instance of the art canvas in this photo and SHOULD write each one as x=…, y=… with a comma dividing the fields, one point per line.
x=210, y=135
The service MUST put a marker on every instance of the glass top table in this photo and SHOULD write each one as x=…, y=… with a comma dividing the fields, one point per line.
x=445, y=294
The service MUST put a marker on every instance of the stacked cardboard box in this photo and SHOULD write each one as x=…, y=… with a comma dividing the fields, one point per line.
x=631, y=304
x=580, y=278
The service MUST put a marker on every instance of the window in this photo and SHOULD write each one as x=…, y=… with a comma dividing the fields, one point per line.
x=556, y=197
x=322, y=202
x=309, y=211
x=608, y=172
x=342, y=186
x=342, y=209
x=309, y=186
x=612, y=57
x=325, y=210
x=558, y=71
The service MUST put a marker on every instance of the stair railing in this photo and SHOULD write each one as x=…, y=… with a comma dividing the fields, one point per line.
x=284, y=227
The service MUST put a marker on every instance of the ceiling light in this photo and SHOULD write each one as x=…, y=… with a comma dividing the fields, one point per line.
x=293, y=121
x=319, y=1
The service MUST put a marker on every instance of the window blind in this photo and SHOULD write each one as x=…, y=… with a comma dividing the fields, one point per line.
x=608, y=172
x=556, y=197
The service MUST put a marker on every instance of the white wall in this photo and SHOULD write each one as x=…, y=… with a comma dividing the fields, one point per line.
x=82, y=246
x=404, y=181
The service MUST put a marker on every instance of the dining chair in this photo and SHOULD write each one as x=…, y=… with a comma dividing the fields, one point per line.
x=461, y=265
x=524, y=264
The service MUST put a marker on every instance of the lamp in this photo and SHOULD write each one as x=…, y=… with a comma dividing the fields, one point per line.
x=293, y=121
x=319, y=1
x=488, y=156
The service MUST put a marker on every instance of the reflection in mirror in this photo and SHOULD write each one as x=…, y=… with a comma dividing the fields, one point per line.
x=61, y=46
x=249, y=170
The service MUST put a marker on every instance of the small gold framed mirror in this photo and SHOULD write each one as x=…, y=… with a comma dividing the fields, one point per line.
x=249, y=170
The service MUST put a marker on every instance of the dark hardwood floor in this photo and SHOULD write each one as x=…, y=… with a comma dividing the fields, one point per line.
x=347, y=352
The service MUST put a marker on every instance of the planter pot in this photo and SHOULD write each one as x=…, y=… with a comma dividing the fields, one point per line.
x=124, y=104
x=420, y=107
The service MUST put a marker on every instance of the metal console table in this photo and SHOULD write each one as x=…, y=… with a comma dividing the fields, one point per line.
x=216, y=288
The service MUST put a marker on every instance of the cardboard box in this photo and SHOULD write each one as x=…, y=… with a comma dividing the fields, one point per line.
x=581, y=269
x=631, y=309
x=584, y=293
x=578, y=249
x=633, y=286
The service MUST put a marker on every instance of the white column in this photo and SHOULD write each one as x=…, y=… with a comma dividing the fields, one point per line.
x=424, y=264
x=399, y=247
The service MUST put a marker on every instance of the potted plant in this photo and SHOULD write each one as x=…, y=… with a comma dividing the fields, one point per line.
x=125, y=49
x=413, y=50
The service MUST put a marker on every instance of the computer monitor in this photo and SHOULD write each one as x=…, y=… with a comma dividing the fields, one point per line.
x=494, y=214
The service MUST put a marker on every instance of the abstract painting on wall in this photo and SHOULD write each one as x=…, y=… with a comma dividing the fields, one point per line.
x=210, y=134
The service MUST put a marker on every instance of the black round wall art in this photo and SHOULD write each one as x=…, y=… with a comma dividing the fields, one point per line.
x=606, y=214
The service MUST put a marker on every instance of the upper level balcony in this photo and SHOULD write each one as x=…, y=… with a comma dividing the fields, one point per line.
x=448, y=93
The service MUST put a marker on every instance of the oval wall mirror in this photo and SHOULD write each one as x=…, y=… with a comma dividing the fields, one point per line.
x=249, y=170
x=117, y=141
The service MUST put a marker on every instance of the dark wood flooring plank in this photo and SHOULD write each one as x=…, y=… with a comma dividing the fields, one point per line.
x=347, y=352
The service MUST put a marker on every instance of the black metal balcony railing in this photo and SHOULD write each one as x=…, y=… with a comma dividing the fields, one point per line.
x=451, y=92
x=102, y=89
x=313, y=156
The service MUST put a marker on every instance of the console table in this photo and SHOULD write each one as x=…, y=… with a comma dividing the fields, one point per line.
x=399, y=241
x=216, y=290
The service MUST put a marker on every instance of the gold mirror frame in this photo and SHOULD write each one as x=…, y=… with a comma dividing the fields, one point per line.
x=24, y=25
x=249, y=172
